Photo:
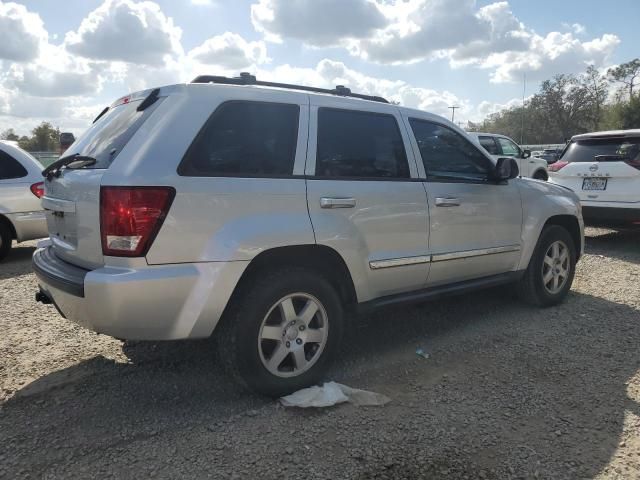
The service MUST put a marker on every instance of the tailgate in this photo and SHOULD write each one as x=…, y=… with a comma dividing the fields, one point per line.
x=72, y=205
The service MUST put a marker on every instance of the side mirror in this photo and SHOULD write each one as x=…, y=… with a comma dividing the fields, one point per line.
x=506, y=169
x=526, y=153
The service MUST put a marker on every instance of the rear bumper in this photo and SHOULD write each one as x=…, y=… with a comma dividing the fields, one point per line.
x=610, y=215
x=164, y=302
x=29, y=225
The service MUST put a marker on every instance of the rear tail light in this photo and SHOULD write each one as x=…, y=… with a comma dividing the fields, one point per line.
x=130, y=218
x=557, y=166
x=38, y=189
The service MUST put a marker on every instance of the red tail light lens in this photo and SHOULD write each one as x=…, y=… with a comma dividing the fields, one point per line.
x=557, y=166
x=130, y=218
x=38, y=189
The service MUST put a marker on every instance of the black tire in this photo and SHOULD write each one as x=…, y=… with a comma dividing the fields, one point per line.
x=5, y=240
x=238, y=335
x=531, y=288
x=540, y=175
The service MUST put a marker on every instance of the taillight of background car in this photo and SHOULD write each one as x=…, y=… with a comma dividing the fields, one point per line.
x=130, y=218
x=38, y=189
x=557, y=166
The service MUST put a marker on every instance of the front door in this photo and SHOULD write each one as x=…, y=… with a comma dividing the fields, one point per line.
x=364, y=195
x=475, y=223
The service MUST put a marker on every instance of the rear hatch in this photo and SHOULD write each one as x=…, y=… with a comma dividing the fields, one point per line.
x=72, y=195
x=601, y=169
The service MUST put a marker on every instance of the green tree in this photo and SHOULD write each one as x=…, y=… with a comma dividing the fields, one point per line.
x=9, y=134
x=630, y=113
x=44, y=138
x=627, y=74
x=596, y=86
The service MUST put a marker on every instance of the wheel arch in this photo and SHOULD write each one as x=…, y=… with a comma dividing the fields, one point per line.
x=5, y=221
x=320, y=258
x=569, y=223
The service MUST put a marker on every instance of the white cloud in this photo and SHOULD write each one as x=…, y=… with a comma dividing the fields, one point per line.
x=317, y=22
x=230, y=50
x=21, y=33
x=202, y=3
x=127, y=31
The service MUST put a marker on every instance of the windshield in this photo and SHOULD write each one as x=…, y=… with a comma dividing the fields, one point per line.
x=625, y=148
x=106, y=138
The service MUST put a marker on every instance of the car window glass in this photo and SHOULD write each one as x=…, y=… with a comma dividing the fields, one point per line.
x=489, y=145
x=245, y=138
x=359, y=144
x=509, y=148
x=10, y=168
x=446, y=152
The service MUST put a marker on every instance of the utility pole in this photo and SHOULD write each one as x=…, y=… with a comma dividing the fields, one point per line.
x=524, y=88
x=453, y=112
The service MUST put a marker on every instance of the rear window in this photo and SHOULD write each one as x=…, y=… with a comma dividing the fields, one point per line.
x=359, y=144
x=106, y=138
x=245, y=139
x=614, y=148
x=10, y=168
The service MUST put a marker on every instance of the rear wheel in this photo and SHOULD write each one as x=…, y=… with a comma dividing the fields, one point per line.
x=550, y=273
x=5, y=240
x=541, y=175
x=281, y=331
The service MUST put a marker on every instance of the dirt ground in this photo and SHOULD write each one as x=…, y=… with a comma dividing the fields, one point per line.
x=509, y=391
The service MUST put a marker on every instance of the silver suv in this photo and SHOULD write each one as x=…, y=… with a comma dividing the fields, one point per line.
x=270, y=215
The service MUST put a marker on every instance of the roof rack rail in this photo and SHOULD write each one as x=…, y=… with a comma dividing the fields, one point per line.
x=246, y=78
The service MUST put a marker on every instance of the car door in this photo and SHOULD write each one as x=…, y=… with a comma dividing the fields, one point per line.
x=15, y=195
x=364, y=196
x=475, y=222
x=510, y=149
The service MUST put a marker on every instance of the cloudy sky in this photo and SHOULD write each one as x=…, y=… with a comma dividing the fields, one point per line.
x=63, y=61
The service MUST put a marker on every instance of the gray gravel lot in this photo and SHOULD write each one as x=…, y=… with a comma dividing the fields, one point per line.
x=509, y=392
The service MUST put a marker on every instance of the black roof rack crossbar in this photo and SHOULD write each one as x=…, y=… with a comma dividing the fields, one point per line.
x=248, y=79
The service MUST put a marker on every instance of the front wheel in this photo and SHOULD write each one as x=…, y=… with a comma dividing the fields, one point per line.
x=550, y=273
x=281, y=331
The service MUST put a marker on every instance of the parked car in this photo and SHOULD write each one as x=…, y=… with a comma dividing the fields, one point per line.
x=270, y=215
x=21, y=186
x=551, y=155
x=502, y=146
x=603, y=168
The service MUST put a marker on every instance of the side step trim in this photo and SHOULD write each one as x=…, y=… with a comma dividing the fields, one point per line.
x=434, y=293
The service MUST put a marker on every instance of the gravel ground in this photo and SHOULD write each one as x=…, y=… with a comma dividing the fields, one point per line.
x=508, y=392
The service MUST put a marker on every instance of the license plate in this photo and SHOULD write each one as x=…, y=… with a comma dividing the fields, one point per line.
x=594, y=184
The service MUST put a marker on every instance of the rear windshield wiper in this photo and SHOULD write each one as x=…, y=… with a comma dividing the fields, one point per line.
x=69, y=161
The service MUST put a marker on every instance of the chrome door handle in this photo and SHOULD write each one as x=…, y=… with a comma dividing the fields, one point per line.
x=331, y=202
x=447, y=202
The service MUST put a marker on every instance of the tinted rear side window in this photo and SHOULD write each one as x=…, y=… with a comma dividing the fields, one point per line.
x=359, y=144
x=106, y=138
x=245, y=139
x=10, y=168
x=489, y=145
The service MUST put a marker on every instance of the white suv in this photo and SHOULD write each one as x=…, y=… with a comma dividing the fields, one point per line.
x=269, y=215
x=21, y=186
x=502, y=146
x=603, y=168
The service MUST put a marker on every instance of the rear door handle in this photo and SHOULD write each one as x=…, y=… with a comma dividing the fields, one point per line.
x=332, y=202
x=447, y=202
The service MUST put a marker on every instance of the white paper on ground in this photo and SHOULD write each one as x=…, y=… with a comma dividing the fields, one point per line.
x=332, y=393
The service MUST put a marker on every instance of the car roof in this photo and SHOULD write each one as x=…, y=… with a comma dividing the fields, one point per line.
x=608, y=133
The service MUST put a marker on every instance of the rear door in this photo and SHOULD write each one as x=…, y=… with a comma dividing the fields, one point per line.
x=15, y=196
x=475, y=223
x=364, y=197
x=605, y=169
x=72, y=199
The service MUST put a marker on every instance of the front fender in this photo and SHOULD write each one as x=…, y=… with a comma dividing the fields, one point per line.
x=540, y=202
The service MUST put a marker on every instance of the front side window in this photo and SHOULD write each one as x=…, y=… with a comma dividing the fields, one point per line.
x=489, y=145
x=243, y=138
x=447, y=153
x=10, y=168
x=509, y=148
x=359, y=144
